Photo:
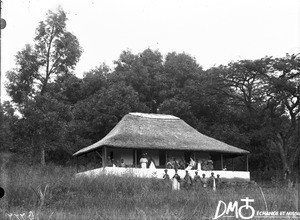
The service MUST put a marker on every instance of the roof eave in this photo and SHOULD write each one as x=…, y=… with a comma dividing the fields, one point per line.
x=81, y=152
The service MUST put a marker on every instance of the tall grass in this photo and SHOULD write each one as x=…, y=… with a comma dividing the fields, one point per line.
x=112, y=197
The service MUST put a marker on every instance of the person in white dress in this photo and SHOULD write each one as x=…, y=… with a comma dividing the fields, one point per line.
x=152, y=165
x=191, y=164
x=176, y=181
x=199, y=165
x=143, y=161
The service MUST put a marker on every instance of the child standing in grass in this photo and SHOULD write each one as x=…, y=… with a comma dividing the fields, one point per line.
x=176, y=181
x=212, y=181
x=218, y=181
x=187, y=180
x=166, y=175
x=204, y=181
x=197, y=177
x=197, y=180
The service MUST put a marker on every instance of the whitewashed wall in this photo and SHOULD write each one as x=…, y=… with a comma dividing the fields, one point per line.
x=158, y=173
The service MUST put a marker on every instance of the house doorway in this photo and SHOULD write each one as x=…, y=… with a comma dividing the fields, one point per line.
x=162, y=158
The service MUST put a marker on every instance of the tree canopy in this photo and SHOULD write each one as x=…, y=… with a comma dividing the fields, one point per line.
x=54, y=55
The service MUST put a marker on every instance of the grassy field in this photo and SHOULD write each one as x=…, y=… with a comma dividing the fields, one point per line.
x=52, y=192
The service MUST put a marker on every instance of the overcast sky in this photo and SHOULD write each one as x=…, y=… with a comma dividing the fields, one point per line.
x=214, y=32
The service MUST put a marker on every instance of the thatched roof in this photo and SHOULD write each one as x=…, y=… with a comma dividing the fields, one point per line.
x=157, y=131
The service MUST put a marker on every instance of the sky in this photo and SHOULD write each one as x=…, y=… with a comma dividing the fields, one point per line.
x=213, y=31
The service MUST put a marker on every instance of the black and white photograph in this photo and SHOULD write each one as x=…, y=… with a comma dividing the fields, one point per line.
x=149, y=109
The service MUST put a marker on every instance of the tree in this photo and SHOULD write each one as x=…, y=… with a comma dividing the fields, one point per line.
x=143, y=72
x=95, y=80
x=96, y=115
x=283, y=105
x=21, y=80
x=43, y=125
x=179, y=68
x=265, y=93
x=55, y=53
x=179, y=108
x=7, y=119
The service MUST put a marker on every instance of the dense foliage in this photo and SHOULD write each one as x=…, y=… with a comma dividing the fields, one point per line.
x=251, y=104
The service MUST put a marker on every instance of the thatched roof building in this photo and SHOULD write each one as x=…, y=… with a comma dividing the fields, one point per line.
x=161, y=132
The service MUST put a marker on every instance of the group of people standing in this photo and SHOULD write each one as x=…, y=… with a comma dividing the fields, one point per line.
x=147, y=162
x=181, y=164
x=197, y=182
x=112, y=163
x=191, y=165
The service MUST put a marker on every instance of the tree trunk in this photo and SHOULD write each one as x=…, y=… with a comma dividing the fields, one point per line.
x=287, y=164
